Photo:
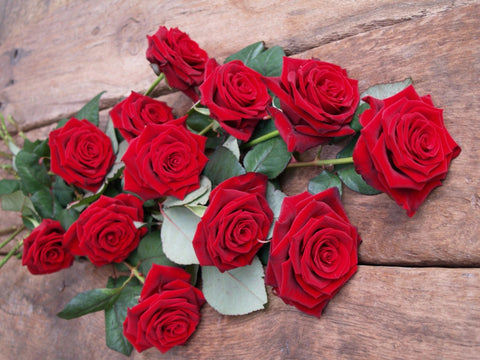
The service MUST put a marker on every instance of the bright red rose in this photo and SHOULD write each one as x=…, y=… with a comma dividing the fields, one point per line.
x=106, y=232
x=43, y=251
x=404, y=148
x=81, y=154
x=317, y=99
x=236, y=97
x=165, y=160
x=235, y=224
x=131, y=115
x=313, y=250
x=172, y=52
x=168, y=311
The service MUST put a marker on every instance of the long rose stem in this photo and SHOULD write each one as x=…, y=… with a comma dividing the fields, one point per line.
x=262, y=138
x=155, y=83
x=347, y=160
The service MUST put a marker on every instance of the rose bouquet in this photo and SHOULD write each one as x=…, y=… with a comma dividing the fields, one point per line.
x=189, y=209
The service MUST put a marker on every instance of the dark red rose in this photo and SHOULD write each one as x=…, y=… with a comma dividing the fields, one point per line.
x=81, y=154
x=106, y=231
x=165, y=160
x=236, y=97
x=172, y=52
x=168, y=311
x=317, y=99
x=313, y=250
x=131, y=115
x=43, y=251
x=404, y=148
x=235, y=224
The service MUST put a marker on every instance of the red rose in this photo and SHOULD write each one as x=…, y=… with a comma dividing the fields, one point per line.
x=168, y=311
x=235, y=96
x=404, y=148
x=172, y=52
x=105, y=232
x=81, y=154
x=43, y=251
x=318, y=102
x=313, y=250
x=131, y=115
x=235, y=224
x=165, y=160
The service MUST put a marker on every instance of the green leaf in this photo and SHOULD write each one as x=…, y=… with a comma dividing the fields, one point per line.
x=90, y=110
x=198, y=121
x=235, y=292
x=62, y=192
x=117, y=313
x=275, y=199
x=38, y=147
x=117, y=169
x=67, y=217
x=355, y=124
x=269, y=62
x=264, y=253
x=198, y=210
x=61, y=123
x=383, y=91
x=222, y=165
x=324, y=181
x=8, y=186
x=196, y=197
x=247, y=54
x=347, y=172
x=148, y=252
x=110, y=132
x=264, y=127
x=89, y=302
x=16, y=201
x=178, y=229
x=232, y=144
x=33, y=173
x=270, y=158
x=43, y=201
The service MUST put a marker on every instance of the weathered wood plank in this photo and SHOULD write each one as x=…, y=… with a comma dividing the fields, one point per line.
x=55, y=55
x=382, y=313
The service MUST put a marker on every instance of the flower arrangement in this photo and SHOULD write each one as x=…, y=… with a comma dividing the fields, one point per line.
x=190, y=210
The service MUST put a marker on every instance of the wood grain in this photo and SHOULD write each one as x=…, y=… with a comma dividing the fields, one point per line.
x=56, y=55
x=382, y=313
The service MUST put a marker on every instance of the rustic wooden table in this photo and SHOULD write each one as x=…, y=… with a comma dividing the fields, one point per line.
x=416, y=294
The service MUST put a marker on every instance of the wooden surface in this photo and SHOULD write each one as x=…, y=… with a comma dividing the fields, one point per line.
x=416, y=294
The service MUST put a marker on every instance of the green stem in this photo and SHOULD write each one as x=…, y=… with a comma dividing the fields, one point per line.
x=11, y=253
x=155, y=83
x=347, y=160
x=134, y=271
x=11, y=237
x=206, y=128
x=262, y=138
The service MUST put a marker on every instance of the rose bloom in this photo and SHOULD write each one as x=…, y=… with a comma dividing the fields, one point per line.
x=43, y=251
x=235, y=224
x=313, y=250
x=172, y=52
x=131, y=115
x=81, y=154
x=404, y=148
x=106, y=232
x=165, y=160
x=236, y=97
x=168, y=311
x=317, y=99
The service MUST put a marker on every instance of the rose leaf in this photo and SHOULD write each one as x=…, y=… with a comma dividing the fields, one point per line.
x=222, y=165
x=323, y=181
x=90, y=110
x=110, y=132
x=247, y=54
x=269, y=158
x=268, y=63
x=116, y=314
x=235, y=292
x=9, y=186
x=32, y=171
x=178, y=229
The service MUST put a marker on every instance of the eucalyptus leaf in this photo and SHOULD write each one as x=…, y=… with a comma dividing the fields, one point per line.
x=178, y=230
x=89, y=302
x=8, y=186
x=232, y=144
x=275, y=199
x=270, y=158
x=116, y=170
x=196, y=197
x=235, y=292
x=117, y=313
x=90, y=110
x=383, y=91
x=324, y=181
x=248, y=53
x=198, y=210
x=222, y=165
